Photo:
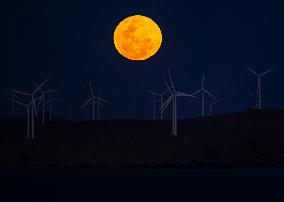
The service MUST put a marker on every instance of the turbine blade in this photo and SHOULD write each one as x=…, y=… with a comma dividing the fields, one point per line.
x=164, y=92
x=85, y=103
x=101, y=99
x=14, y=95
x=153, y=93
x=196, y=92
x=101, y=104
x=184, y=95
x=38, y=88
x=39, y=98
x=91, y=87
x=21, y=93
x=51, y=91
x=209, y=94
x=47, y=101
x=168, y=86
x=268, y=71
x=164, y=106
x=20, y=103
x=256, y=74
x=170, y=77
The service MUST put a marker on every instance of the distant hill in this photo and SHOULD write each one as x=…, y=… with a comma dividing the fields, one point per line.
x=247, y=139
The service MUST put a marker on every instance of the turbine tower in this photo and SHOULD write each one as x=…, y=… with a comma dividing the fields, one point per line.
x=12, y=97
x=99, y=102
x=43, y=93
x=49, y=101
x=95, y=100
x=32, y=105
x=154, y=106
x=211, y=104
x=173, y=99
x=161, y=101
x=203, y=92
x=259, y=76
x=255, y=101
x=30, y=120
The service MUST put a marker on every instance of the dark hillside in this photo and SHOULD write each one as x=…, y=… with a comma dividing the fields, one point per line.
x=246, y=139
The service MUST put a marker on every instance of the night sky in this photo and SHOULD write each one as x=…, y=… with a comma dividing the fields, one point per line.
x=71, y=43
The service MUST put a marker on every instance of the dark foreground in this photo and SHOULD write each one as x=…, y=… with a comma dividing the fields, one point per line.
x=133, y=185
x=250, y=139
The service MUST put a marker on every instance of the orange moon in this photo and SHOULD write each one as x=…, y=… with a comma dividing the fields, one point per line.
x=137, y=37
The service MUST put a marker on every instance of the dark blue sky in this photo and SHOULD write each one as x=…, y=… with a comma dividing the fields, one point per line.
x=71, y=43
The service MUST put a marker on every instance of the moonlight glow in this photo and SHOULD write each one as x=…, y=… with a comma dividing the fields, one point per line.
x=137, y=37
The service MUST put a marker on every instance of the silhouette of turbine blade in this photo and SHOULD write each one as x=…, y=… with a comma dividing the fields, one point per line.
x=91, y=87
x=34, y=105
x=20, y=103
x=21, y=93
x=171, y=81
x=164, y=92
x=35, y=84
x=268, y=71
x=256, y=74
x=89, y=100
x=101, y=99
x=153, y=93
x=209, y=94
x=39, y=87
x=185, y=95
x=196, y=92
x=51, y=91
x=166, y=83
x=101, y=104
x=165, y=105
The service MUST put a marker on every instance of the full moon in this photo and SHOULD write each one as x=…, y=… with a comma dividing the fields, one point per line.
x=137, y=37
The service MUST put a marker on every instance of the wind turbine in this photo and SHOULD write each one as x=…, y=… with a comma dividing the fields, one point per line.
x=203, y=92
x=49, y=101
x=211, y=104
x=259, y=76
x=43, y=100
x=29, y=109
x=95, y=100
x=12, y=97
x=173, y=99
x=32, y=95
x=161, y=101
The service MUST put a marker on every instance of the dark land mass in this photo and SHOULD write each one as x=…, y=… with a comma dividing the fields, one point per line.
x=241, y=140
